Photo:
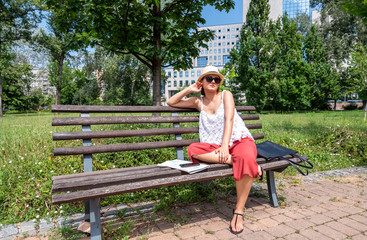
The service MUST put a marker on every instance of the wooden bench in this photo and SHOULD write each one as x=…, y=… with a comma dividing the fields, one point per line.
x=91, y=186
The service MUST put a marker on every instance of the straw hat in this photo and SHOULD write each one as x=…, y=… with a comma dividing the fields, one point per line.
x=209, y=70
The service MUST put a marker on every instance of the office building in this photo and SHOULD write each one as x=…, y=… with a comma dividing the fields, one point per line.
x=226, y=36
x=296, y=7
x=217, y=54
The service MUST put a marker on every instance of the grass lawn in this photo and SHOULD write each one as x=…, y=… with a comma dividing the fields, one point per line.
x=332, y=140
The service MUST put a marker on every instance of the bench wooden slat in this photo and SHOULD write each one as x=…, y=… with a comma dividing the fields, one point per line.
x=128, y=146
x=122, y=147
x=67, y=121
x=128, y=109
x=145, y=185
x=133, y=133
x=112, y=178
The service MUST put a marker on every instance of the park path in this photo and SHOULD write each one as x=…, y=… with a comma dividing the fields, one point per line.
x=324, y=205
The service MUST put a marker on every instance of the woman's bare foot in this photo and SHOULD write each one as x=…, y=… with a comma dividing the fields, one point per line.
x=237, y=223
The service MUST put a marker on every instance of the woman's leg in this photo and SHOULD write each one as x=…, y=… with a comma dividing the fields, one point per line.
x=243, y=188
x=205, y=152
x=245, y=169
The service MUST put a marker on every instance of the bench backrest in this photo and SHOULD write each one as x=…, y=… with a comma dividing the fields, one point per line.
x=173, y=118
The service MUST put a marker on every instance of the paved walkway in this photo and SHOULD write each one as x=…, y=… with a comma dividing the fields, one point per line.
x=327, y=205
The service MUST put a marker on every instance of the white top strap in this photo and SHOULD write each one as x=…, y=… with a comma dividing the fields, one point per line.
x=201, y=96
x=222, y=94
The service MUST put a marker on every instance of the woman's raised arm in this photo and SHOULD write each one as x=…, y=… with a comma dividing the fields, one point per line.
x=178, y=100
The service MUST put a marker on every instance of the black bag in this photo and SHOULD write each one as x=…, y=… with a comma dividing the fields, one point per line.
x=271, y=151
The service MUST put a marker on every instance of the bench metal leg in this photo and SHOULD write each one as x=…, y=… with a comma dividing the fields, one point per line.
x=272, y=189
x=86, y=211
x=95, y=219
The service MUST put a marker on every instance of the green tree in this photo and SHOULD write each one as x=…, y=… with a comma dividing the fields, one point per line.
x=357, y=8
x=16, y=86
x=358, y=71
x=323, y=79
x=158, y=33
x=17, y=17
x=252, y=57
x=58, y=44
x=127, y=81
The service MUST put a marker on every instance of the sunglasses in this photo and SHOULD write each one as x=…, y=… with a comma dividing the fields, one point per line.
x=209, y=79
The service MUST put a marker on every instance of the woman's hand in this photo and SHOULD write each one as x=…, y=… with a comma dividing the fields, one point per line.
x=223, y=154
x=195, y=88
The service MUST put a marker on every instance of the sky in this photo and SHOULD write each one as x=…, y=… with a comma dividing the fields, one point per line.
x=215, y=17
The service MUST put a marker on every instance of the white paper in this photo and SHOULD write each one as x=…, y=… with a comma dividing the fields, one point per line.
x=176, y=165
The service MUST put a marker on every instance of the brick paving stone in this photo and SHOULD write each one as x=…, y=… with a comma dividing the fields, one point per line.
x=275, y=210
x=281, y=218
x=208, y=236
x=280, y=230
x=306, y=212
x=342, y=228
x=164, y=237
x=165, y=226
x=197, y=219
x=259, y=235
x=261, y=214
x=190, y=233
x=353, y=224
x=312, y=234
x=359, y=218
x=359, y=237
x=320, y=219
x=299, y=224
x=352, y=210
x=336, y=214
x=318, y=209
x=227, y=235
x=295, y=236
x=332, y=233
x=255, y=226
x=294, y=215
x=268, y=222
x=215, y=226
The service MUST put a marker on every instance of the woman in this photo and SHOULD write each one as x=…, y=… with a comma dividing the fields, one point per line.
x=224, y=137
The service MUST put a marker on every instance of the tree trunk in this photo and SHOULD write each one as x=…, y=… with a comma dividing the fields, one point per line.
x=59, y=84
x=365, y=108
x=334, y=105
x=1, y=96
x=157, y=61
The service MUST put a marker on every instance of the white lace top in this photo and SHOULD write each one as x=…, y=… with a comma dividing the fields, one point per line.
x=211, y=126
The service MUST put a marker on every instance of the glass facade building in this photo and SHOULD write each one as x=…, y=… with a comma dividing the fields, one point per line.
x=296, y=7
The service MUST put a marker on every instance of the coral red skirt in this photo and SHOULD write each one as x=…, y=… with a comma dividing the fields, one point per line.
x=243, y=155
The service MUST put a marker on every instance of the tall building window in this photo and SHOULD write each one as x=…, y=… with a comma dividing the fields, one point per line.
x=192, y=73
x=175, y=74
x=224, y=37
x=186, y=73
x=219, y=50
x=169, y=84
x=206, y=51
x=226, y=58
x=219, y=30
x=232, y=35
x=202, y=61
x=181, y=83
x=181, y=74
x=175, y=83
x=198, y=73
x=187, y=82
x=169, y=74
x=232, y=29
x=294, y=8
x=210, y=58
x=210, y=51
x=228, y=50
x=219, y=57
x=192, y=81
x=219, y=44
x=215, y=58
x=215, y=44
x=215, y=51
